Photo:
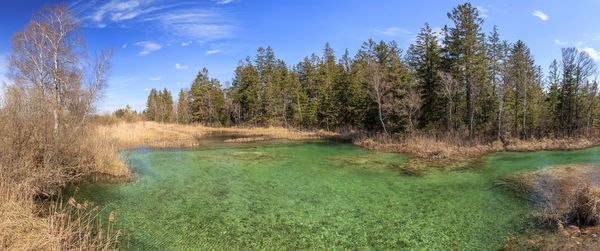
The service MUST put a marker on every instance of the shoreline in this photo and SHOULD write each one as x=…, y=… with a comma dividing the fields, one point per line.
x=162, y=136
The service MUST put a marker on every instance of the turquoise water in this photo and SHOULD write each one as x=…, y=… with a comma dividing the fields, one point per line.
x=315, y=195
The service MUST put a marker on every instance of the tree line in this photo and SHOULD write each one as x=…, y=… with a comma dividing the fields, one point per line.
x=459, y=81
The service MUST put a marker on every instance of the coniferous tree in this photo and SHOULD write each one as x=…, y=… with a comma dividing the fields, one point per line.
x=466, y=50
x=183, y=108
x=151, y=111
x=425, y=59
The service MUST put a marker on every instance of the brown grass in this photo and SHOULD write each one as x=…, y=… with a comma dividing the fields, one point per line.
x=36, y=164
x=452, y=148
x=567, y=201
x=30, y=223
x=27, y=225
x=157, y=135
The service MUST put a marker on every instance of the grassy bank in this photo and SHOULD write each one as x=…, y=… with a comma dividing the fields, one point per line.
x=157, y=135
x=454, y=148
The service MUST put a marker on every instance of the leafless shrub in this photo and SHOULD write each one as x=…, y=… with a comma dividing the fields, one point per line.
x=584, y=205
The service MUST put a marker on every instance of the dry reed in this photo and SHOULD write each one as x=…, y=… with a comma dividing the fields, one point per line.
x=157, y=135
x=452, y=148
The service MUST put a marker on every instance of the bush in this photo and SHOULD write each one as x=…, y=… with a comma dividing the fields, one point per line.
x=584, y=205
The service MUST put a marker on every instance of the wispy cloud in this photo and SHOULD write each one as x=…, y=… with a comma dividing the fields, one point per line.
x=191, y=20
x=181, y=67
x=124, y=46
x=156, y=78
x=186, y=43
x=593, y=53
x=558, y=42
x=540, y=14
x=564, y=43
x=148, y=47
x=224, y=1
x=393, y=31
x=483, y=12
x=212, y=52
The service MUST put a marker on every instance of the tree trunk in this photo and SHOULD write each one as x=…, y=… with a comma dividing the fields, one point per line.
x=470, y=107
x=450, y=126
x=501, y=103
x=379, y=109
x=56, y=96
x=524, y=112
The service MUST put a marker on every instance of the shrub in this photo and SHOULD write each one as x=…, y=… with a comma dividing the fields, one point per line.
x=584, y=205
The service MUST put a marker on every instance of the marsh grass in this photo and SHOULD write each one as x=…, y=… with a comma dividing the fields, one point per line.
x=157, y=135
x=567, y=200
x=30, y=224
x=439, y=148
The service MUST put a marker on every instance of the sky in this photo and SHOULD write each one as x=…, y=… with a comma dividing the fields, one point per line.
x=163, y=44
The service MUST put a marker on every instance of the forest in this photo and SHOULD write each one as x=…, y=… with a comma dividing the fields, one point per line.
x=459, y=81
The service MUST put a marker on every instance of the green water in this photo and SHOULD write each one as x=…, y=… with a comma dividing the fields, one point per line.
x=315, y=195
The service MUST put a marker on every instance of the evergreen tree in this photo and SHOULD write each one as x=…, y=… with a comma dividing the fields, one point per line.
x=183, y=108
x=425, y=59
x=466, y=50
x=152, y=103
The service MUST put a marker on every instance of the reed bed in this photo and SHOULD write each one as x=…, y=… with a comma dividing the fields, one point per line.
x=453, y=148
x=157, y=135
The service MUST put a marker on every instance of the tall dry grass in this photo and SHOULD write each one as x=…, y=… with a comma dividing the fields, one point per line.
x=37, y=160
x=51, y=225
x=157, y=135
x=567, y=202
x=455, y=147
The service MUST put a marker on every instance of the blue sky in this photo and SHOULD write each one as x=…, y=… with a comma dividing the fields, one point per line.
x=161, y=43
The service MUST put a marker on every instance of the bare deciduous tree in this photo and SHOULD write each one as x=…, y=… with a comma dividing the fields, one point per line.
x=450, y=88
x=52, y=96
x=46, y=55
x=412, y=104
x=377, y=88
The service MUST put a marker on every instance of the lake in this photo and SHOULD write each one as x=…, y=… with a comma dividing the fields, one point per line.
x=315, y=195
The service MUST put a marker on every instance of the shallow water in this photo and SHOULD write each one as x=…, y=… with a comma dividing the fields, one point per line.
x=315, y=195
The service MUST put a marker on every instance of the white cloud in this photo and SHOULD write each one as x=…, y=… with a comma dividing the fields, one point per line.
x=146, y=89
x=212, y=52
x=155, y=78
x=186, y=43
x=393, y=31
x=118, y=10
x=187, y=19
x=556, y=41
x=124, y=46
x=540, y=14
x=148, y=47
x=181, y=67
x=563, y=43
x=483, y=12
x=593, y=53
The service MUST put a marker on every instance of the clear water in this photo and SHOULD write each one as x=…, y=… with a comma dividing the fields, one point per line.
x=315, y=195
